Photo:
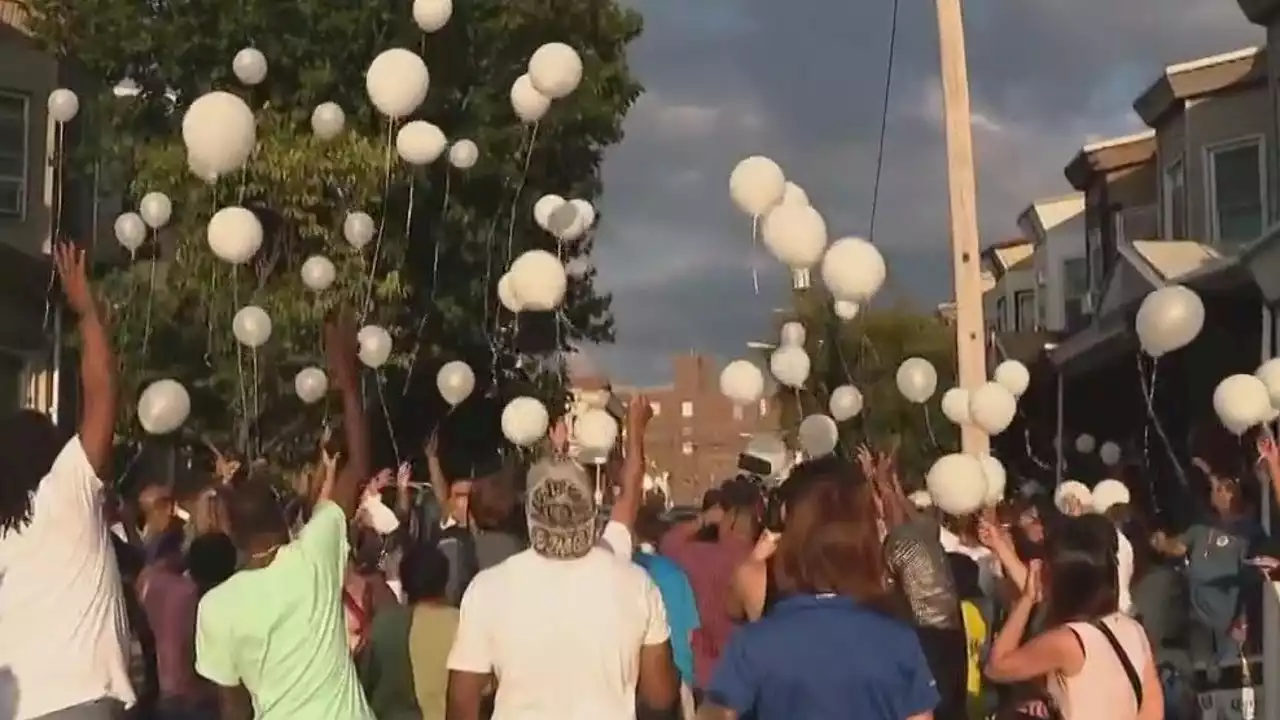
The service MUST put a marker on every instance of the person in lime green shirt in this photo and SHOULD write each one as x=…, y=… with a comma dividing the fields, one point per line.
x=273, y=637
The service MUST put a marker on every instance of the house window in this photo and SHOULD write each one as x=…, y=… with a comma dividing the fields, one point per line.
x=656, y=407
x=1075, y=287
x=1000, y=314
x=1095, y=275
x=737, y=413
x=1024, y=310
x=14, y=138
x=686, y=448
x=1175, y=201
x=686, y=409
x=1236, y=186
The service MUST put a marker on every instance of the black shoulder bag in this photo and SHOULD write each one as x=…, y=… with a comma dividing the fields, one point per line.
x=1134, y=679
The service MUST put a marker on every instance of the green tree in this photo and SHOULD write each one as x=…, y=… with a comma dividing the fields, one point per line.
x=866, y=353
x=302, y=188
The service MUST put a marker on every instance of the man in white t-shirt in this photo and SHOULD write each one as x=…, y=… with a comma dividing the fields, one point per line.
x=63, y=628
x=568, y=631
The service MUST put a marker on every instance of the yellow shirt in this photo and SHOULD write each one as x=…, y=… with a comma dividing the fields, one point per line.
x=975, y=632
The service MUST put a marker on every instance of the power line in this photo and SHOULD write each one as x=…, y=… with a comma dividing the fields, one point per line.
x=884, y=120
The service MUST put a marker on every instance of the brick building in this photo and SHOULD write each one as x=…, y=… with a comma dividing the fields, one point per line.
x=696, y=433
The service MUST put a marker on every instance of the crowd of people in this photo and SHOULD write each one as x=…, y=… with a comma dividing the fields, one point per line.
x=828, y=596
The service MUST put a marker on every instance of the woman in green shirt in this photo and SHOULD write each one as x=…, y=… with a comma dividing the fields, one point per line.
x=402, y=667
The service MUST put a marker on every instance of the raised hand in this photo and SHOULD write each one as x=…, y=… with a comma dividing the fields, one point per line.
x=404, y=474
x=70, y=264
x=559, y=437
x=639, y=413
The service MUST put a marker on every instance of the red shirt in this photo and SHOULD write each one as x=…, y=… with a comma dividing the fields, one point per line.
x=710, y=567
x=169, y=600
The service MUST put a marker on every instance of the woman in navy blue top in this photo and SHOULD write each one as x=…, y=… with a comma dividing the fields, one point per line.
x=827, y=651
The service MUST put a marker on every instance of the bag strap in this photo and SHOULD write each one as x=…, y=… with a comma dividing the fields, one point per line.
x=1134, y=679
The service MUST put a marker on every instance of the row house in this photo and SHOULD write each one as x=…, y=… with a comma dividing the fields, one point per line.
x=1008, y=286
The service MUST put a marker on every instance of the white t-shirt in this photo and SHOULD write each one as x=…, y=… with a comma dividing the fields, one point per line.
x=64, y=631
x=563, y=637
x=1124, y=571
x=988, y=564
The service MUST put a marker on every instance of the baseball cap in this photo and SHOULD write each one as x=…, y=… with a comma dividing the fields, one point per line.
x=561, y=507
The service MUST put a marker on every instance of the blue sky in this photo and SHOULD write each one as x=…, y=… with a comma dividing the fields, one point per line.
x=801, y=81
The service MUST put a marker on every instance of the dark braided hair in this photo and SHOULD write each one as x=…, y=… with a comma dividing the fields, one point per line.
x=29, y=443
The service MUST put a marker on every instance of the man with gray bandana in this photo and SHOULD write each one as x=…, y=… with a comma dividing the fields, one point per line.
x=568, y=629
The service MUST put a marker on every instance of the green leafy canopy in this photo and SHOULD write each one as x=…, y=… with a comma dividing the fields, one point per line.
x=302, y=188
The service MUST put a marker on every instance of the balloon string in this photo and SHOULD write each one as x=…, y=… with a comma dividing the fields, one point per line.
x=435, y=275
x=151, y=292
x=210, y=312
x=1149, y=394
x=489, y=252
x=382, y=222
x=515, y=202
x=56, y=222
x=928, y=424
x=255, y=425
x=242, y=440
x=755, y=247
x=386, y=415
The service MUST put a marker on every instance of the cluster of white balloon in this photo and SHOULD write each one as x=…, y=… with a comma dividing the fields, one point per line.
x=538, y=279
x=1109, y=452
x=960, y=484
x=1105, y=495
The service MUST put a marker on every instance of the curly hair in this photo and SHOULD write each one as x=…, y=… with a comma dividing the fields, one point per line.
x=29, y=443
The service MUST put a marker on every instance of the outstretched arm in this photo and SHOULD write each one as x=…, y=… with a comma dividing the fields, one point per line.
x=340, y=347
x=97, y=364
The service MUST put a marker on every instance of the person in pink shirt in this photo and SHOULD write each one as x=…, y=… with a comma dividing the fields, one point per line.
x=169, y=599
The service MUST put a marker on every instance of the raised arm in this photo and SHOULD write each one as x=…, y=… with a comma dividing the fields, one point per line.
x=627, y=505
x=97, y=364
x=340, y=349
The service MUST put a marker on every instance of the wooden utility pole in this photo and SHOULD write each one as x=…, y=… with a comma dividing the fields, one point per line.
x=971, y=350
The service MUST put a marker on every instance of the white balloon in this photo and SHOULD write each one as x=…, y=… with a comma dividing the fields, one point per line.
x=921, y=499
x=853, y=269
x=957, y=483
x=555, y=70
x=155, y=209
x=311, y=384
x=1241, y=402
x=1169, y=319
x=250, y=66
x=201, y=169
x=63, y=105
x=235, y=234
x=431, y=15
x=544, y=208
x=507, y=294
x=795, y=234
x=420, y=142
x=845, y=403
x=564, y=222
x=528, y=104
x=818, y=436
x=1014, y=376
x=251, y=326
x=1269, y=373
x=1109, y=453
x=793, y=194
x=1073, y=489
x=539, y=280
x=1085, y=444
x=742, y=382
x=318, y=273
x=524, y=421
x=397, y=82
x=993, y=471
x=358, y=229
x=792, y=334
x=131, y=231
x=595, y=432
x=577, y=268
x=163, y=407
x=992, y=407
x=845, y=309
x=220, y=132
x=586, y=214
x=917, y=379
x=463, y=154
x=790, y=365
x=1109, y=493
x=328, y=120
x=455, y=381
x=375, y=346
x=955, y=405
x=756, y=184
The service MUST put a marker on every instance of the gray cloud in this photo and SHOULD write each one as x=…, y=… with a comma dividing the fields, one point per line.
x=802, y=82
